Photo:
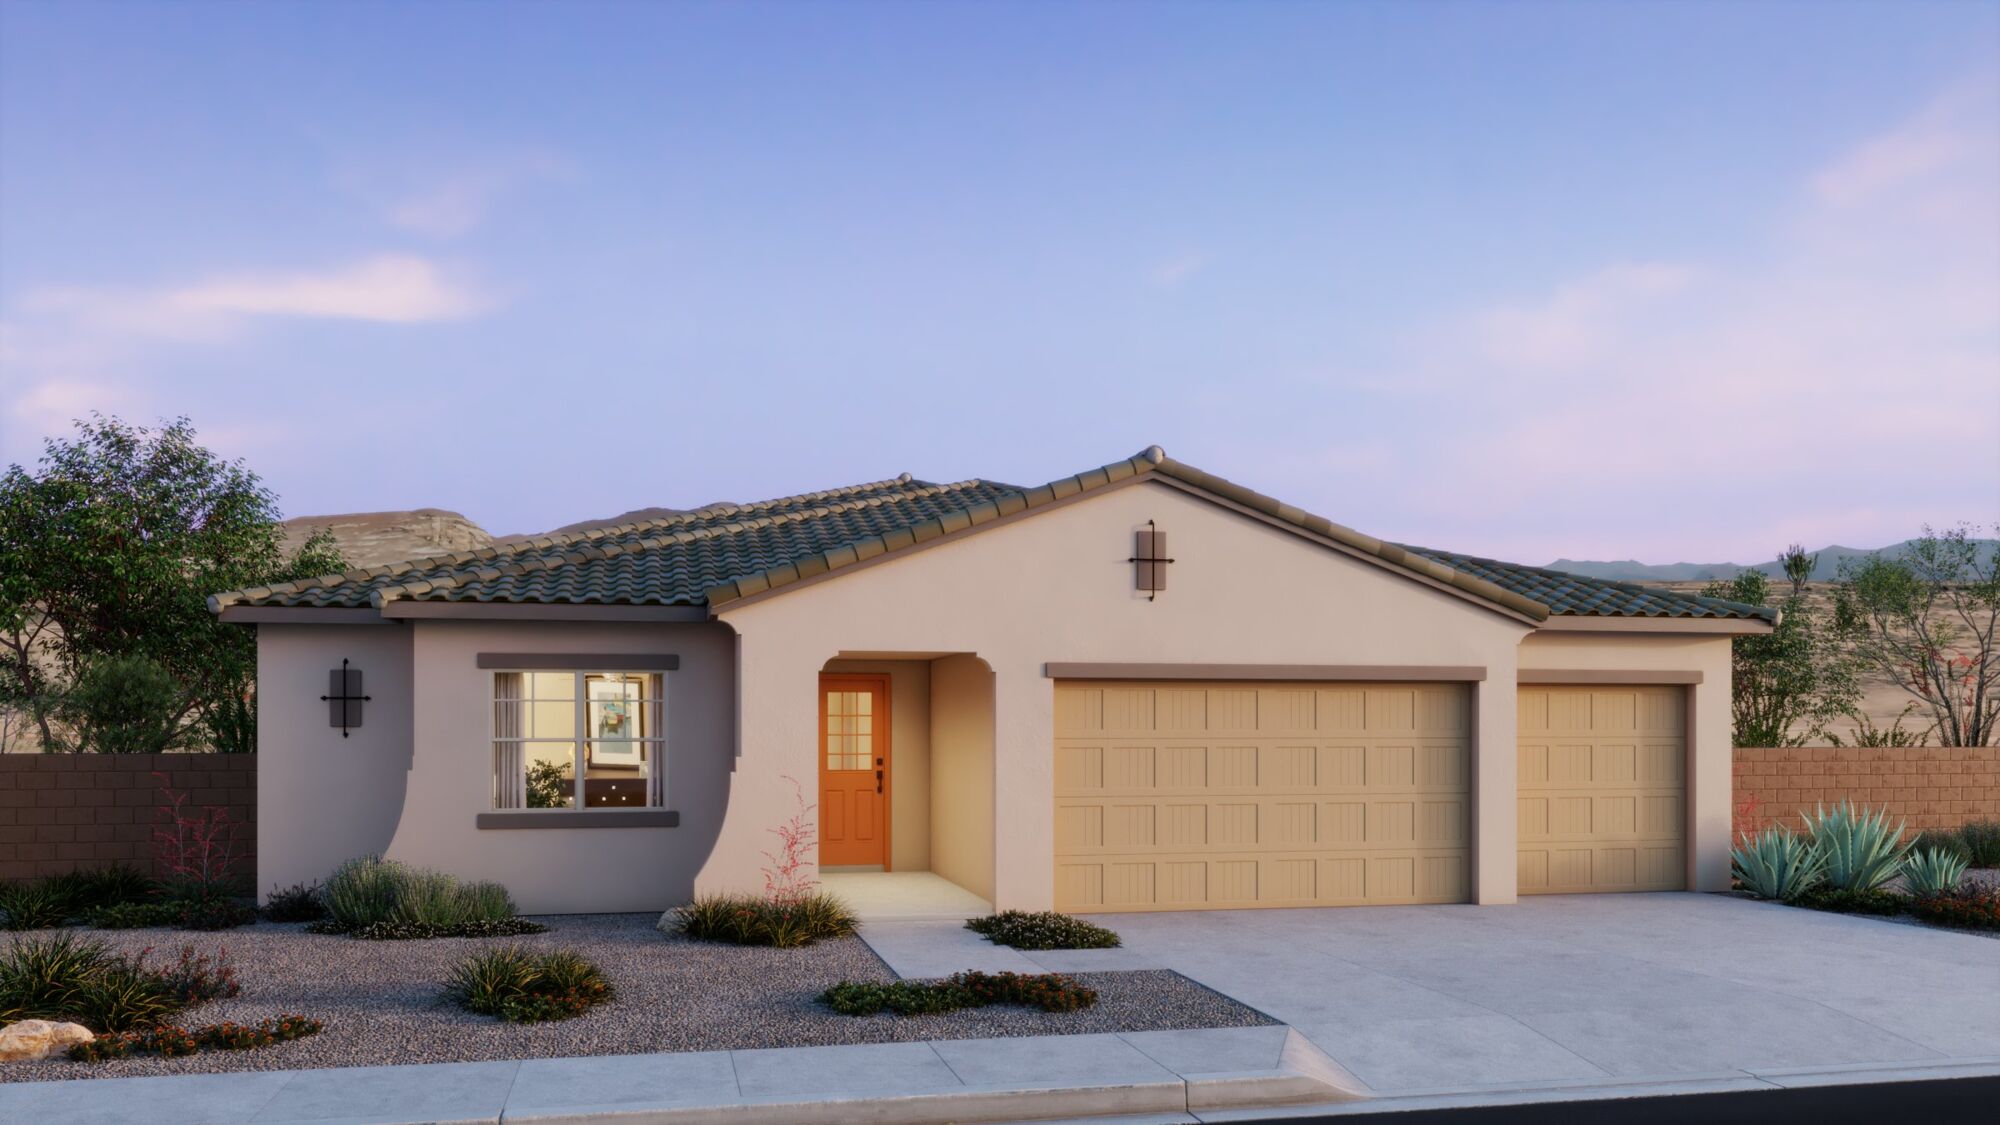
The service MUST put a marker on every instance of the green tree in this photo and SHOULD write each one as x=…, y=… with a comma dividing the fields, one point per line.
x=1798, y=568
x=1926, y=620
x=111, y=547
x=123, y=705
x=1785, y=685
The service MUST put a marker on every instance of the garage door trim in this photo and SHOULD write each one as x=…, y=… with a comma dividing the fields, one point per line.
x=1232, y=794
x=1321, y=673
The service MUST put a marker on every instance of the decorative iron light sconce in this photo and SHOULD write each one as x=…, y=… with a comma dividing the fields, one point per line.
x=1150, y=558
x=344, y=700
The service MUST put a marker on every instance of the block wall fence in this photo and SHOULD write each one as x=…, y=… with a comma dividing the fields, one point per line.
x=1926, y=786
x=66, y=812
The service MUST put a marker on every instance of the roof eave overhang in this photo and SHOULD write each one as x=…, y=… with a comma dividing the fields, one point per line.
x=406, y=609
x=298, y=615
x=1714, y=626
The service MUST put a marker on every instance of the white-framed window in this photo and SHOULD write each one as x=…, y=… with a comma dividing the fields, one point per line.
x=579, y=740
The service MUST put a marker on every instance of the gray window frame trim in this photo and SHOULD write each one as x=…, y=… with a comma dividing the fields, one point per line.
x=579, y=662
x=579, y=818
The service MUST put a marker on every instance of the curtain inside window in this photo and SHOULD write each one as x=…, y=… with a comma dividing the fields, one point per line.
x=656, y=728
x=509, y=720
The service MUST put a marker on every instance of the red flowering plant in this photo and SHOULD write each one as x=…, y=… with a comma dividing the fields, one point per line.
x=791, y=877
x=196, y=852
x=793, y=910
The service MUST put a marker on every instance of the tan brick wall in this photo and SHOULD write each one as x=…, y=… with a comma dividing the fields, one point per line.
x=1926, y=786
x=64, y=812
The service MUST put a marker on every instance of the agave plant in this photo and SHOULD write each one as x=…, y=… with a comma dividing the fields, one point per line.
x=1778, y=864
x=1933, y=872
x=1860, y=850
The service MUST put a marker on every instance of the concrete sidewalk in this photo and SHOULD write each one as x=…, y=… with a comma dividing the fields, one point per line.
x=1161, y=1074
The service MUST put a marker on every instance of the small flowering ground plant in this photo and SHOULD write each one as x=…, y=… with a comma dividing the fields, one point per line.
x=1043, y=929
x=793, y=911
x=173, y=1042
x=1050, y=992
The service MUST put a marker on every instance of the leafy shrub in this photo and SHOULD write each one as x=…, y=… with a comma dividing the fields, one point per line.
x=1970, y=908
x=1042, y=930
x=124, y=705
x=197, y=978
x=33, y=905
x=105, y=886
x=131, y=915
x=523, y=987
x=903, y=997
x=194, y=914
x=376, y=897
x=362, y=892
x=1933, y=872
x=300, y=902
x=1050, y=992
x=419, y=931
x=64, y=978
x=1860, y=850
x=170, y=1042
x=1979, y=841
x=216, y=912
x=748, y=920
x=1838, y=901
x=1777, y=864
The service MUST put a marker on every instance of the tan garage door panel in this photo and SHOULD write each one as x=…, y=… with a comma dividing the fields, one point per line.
x=1603, y=789
x=1189, y=796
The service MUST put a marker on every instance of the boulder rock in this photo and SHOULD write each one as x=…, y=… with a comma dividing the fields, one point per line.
x=39, y=1039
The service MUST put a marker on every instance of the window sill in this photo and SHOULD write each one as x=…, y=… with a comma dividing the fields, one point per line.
x=582, y=818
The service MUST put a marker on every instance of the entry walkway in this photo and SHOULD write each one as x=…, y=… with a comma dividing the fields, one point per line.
x=904, y=895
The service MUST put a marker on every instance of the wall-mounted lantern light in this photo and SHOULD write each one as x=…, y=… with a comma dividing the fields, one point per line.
x=344, y=698
x=1149, y=556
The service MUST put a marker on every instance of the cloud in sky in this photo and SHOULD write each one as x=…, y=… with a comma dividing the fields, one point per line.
x=458, y=202
x=1172, y=272
x=1860, y=345
x=70, y=351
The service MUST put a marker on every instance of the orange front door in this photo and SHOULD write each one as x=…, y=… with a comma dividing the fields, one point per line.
x=854, y=771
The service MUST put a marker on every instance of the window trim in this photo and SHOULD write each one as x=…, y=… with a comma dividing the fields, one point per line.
x=580, y=668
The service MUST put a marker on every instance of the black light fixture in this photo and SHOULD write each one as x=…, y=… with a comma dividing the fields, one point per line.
x=344, y=698
x=1150, y=556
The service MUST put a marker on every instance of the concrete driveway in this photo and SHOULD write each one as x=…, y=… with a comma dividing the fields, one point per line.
x=1557, y=990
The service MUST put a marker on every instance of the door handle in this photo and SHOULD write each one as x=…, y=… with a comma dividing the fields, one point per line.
x=878, y=781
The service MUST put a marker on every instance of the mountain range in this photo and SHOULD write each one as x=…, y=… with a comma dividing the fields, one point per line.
x=1826, y=570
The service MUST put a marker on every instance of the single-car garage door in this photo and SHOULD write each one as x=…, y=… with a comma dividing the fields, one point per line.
x=1603, y=779
x=1193, y=796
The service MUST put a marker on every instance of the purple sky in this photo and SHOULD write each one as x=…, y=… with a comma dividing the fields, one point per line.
x=1666, y=281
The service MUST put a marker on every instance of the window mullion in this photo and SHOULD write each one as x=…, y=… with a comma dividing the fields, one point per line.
x=576, y=746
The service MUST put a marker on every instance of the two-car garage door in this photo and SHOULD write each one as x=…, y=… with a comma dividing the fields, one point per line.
x=1196, y=795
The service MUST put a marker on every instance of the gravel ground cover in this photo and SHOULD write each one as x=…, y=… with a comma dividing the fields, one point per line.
x=380, y=1000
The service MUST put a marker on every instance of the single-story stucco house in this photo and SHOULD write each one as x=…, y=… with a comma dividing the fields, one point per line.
x=1138, y=688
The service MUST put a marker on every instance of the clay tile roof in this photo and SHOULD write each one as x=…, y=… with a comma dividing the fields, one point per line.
x=726, y=552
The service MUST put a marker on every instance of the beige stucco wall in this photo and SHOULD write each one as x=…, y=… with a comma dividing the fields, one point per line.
x=1709, y=749
x=1057, y=587
x=962, y=772
x=909, y=757
x=323, y=802
x=322, y=798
